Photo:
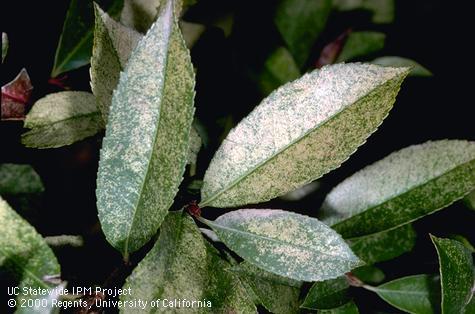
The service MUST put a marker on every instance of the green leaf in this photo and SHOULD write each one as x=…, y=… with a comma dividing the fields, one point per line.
x=113, y=44
x=383, y=10
x=369, y=274
x=464, y=241
x=418, y=294
x=5, y=45
x=279, y=68
x=417, y=69
x=361, y=44
x=145, y=149
x=300, y=132
x=285, y=243
x=300, y=23
x=277, y=294
x=19, y=180
x=469, y=200
x=384, y=245
x=61, y=119
x=457, y=275
x=348, y=308
x=75, y=44
x=182, y=265
x=23, y=251
x=327, y=294
x=402, y=187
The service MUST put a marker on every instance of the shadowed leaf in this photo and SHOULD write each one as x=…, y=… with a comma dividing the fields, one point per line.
x=417, y=69
x=361, y=44
x=327, y=294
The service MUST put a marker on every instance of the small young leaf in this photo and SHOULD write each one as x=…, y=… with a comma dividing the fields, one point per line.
x=279, y=68
x=182, y=265
x=15, y=96
x=369, y=274
x=300, y=132
x=383, y=10
x=139, y=14
x=384, y=245
x=113, y=44
x=327, y=294
x=457, y=275
x=285, y=243
x=348, y=308
x=5, y=45
x=418, y=294
x=417, y=69
x=19, y=180
x=302, y=192
x=332, y=50
x=277, y=294
x=402, y=187
x=194, y=147
x=191, y=32
x=360, y=44
x=23, y=251
x=75, y=44
x=61, y=119
x=300, y=23
x=470, y=200
x=144, y=151
x=464, y=241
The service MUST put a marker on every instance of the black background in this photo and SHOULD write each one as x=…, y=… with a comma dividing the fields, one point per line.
x=437, y=34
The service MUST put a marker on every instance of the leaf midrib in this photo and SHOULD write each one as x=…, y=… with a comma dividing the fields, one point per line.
x=83, y=115
x=297, y=140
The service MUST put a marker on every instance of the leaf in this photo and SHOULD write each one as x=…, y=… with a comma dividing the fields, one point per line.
x=417, y=294
x=42, y=304
x=348, y=308
x=469, y=200
x=384, y=245
x=360, y=44
x=61, y=119
x=194, y=147
x=382, y=10
x=19, y=180
x=417, y=69
x=300, y=132
x=5, y=45
x=23, y=252
x=277, y=294
x=139, y=14
x=285, y=243
x=300, y=23
x=402, y=187
x=302, y=192
x=113, y=44
x=457, y=275
x=182, y=265
x=144, y=151
x=327, y=294
x=15, y=96
x=191, y=32
x=369, y=274
x=279, y=68
x=464, y=241
x=75, y=44
x=332, y=50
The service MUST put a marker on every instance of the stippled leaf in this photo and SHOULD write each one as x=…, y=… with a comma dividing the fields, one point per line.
x=300, y=23
x=302, y=192
x=285, y=243
x=418, y=294
x=19, y=180
x=5, y=45
x=348, y=308
x=277, y=294
x=75, y=44
x=61, y=119
x=15, y=96
x=384, y=245
x=360, y=44
x=382, y=10
x=464, y=241
x=279, y=68
x=182, y=265
x=369, y=274
x=23, y=252
x=327, y=294
x=457, y=275
x=402, y=187
x=470, y=200
x=194, y=147
x=300, y=132
x=144, y=151
x=417, y=69
x=113, y=44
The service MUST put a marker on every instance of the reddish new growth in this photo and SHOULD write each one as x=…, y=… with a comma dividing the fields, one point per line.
x=193, y=209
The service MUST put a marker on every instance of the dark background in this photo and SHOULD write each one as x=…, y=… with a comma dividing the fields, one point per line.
x=437, y=34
